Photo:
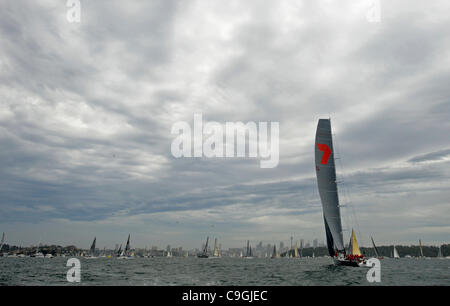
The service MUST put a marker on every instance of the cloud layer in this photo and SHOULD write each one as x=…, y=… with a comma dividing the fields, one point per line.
x=87, y=109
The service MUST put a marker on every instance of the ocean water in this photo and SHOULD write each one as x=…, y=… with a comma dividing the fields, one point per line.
x=221, y=271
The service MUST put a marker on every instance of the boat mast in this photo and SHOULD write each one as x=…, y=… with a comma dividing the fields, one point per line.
x=374, y=247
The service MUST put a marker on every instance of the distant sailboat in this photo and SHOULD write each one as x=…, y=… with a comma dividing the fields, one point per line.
x=326, y=181
x=274, y=253
x=421, y=250
x=104, y=252
x=249, y=254
x=440, y=252
x=376, y=250
x=126, y=252
x=216, y=253
x=395, y=253
x=38, y=254
x=204, y=254
x=92, y=249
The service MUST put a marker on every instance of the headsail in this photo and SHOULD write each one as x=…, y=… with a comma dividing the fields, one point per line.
x=326, y=180
x=353, y=247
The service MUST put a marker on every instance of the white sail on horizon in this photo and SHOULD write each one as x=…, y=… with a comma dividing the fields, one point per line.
x=395, y=255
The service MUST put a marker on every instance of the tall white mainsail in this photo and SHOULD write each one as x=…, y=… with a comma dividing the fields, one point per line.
x=326, y=180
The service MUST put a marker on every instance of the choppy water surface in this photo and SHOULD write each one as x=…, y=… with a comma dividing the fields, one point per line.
x=221, y=271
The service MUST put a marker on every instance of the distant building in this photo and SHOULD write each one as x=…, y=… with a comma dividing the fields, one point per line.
x=315, y=243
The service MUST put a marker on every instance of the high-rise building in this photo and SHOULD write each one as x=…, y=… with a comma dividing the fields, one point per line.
x=315, y=243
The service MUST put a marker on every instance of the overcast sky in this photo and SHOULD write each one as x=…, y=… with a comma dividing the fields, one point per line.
x=87, y=109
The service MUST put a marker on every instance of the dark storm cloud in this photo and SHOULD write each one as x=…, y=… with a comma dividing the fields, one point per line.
x=433, y=156
x=87, y=109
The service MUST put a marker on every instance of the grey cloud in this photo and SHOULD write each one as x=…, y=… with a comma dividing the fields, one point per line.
x=86, y=113
x=433, y=156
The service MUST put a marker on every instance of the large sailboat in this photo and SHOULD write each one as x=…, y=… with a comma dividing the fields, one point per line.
x=204, y=254
x=326, y=180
